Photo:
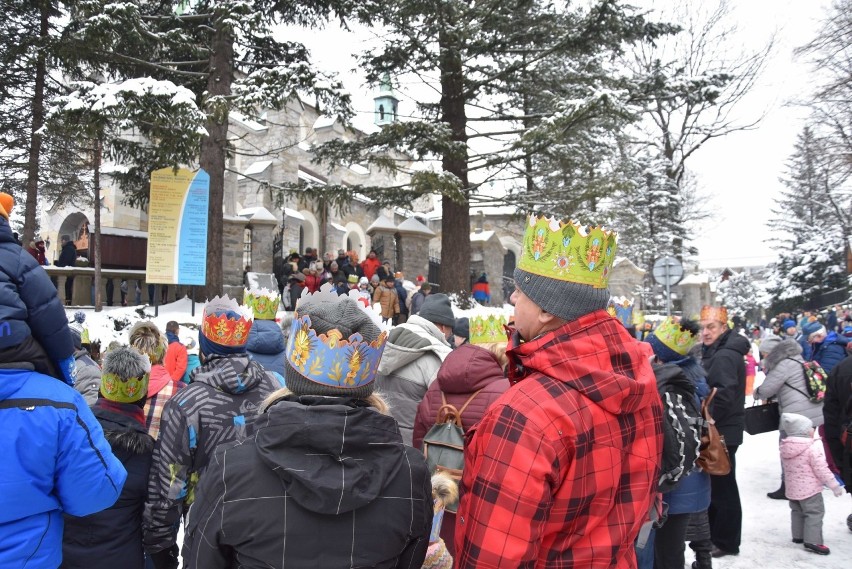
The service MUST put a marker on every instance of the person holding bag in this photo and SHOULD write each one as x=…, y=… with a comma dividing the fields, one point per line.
x=785, y=381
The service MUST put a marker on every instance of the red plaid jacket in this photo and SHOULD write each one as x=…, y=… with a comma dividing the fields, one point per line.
x=562, y=469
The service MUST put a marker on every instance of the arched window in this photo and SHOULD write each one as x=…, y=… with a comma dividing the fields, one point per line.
x=301, y=239
x=381, y=112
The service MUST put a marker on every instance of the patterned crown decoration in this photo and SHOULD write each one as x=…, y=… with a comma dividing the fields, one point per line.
x=262, y=302
x=123, y=390
x=226, y=323
x=717, y=313
x=330, y=359
x=487, y=329
x=672, y=336
x=568, y=251
x=621, y=308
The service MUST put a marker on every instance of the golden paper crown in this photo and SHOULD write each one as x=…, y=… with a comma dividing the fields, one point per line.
x=262, y=302
x=330, y=359
x=226, y=323
x=568, y=251
x=717, y=313
x=487, y=329
x=672, y=336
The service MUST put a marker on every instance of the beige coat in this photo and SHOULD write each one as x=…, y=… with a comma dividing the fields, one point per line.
x=389, y=300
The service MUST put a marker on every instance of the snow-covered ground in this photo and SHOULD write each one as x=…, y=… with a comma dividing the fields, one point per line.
x=766, y=523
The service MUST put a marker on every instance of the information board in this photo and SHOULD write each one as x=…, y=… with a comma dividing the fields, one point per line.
x=177, y=227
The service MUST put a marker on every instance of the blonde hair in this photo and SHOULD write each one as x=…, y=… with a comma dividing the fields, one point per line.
x=499, y=351
x=146, y=337
x=374, y=400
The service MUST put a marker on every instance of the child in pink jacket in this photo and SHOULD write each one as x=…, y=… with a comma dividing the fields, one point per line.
x=805, y=473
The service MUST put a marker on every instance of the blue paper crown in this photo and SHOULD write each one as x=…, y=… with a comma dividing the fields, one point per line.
x=329, y=359
x=622, y=309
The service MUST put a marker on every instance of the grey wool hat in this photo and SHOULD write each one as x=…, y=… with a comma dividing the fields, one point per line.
x=564, y=299
x=436, y=308
x=328, y=313
x=796, y=425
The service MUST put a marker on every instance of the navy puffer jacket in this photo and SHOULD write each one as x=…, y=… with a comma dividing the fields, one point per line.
x=29, y=305
x=265, y=345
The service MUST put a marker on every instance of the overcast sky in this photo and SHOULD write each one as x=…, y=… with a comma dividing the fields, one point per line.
x=739, y=171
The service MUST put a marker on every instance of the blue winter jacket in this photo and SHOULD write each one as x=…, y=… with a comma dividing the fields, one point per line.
x=55, y=459
x=830, y=351
x=266, y=345
x=192, y=362
x=29, y=305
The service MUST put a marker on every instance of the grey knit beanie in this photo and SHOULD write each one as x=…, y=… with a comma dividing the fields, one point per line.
x=796, y=425
x=564, y=299
x=344, y=315
x=437, y=309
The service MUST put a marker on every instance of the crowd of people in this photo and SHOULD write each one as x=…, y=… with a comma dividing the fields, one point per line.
x=301, y=440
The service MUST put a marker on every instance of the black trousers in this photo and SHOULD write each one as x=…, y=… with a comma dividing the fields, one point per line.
x=69, y=289
x=726, y=512
x=670, y=542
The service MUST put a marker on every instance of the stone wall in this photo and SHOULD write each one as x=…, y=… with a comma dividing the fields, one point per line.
x=262, y=235
x=413, y=256
x=486, y=256
x=232, y=251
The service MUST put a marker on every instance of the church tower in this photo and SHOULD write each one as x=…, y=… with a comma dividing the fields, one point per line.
x=386, y=103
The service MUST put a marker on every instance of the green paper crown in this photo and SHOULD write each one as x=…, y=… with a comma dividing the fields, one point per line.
x=674, y=337
x=487, y=329
x=568, y=251
x=121, y=390
x=262, y=302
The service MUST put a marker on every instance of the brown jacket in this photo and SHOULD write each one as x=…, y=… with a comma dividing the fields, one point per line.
x=389, y=300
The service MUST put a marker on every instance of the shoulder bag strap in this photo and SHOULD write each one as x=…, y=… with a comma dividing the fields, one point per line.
x=466, y=403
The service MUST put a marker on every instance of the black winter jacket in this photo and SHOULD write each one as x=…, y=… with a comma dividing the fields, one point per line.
x=725, y=365
x=326, y=482
x=113, y=537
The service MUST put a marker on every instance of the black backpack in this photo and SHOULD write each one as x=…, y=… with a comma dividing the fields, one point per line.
x=443, y=445
x=682, y=423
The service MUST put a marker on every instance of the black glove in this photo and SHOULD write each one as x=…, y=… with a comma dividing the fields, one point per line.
x=165, y=559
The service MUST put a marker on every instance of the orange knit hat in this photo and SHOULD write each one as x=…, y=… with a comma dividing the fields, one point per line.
x=7, y=202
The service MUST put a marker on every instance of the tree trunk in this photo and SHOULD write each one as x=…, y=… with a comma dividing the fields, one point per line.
x=455, y=223
x=96, y=235
x=30, y=221
x=214, y=149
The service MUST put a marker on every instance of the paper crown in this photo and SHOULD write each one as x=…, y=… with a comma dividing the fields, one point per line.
x=262, y=302
x=329, y=359
x=487, y=329
x=621, y=307
x=717, y=313
x=123, y=390
x=226, y=323
x=672, y=336
x=568, y=251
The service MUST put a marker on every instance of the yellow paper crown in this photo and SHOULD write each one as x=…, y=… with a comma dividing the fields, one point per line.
x=568, y=251
x=262, y=302
x=487, y=329
x=717, y=313
x=226, y=322
x=672, y=336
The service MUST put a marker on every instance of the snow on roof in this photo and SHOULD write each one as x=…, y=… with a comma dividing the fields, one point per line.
x=413, y=227
x=257, y=214
x=324, y=121
x=358, y=169
x=310, y=178
x=481, y=236
x=695, y=279
x=294, y=214
x=124, y=232
x=620, y=260
x=337, y=226
x=382, y=223
x=247, y=122
x=256, y=168
x=305, y=146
